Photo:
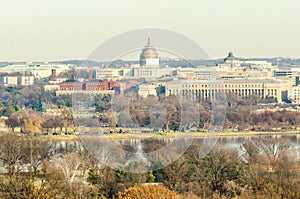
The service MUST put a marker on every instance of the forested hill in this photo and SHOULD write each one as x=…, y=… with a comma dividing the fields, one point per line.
x=170, y=62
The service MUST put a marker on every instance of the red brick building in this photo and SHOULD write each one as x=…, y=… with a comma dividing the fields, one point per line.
x=111, y=84
x=71, y=85
x=95, y=85
x=89, y=86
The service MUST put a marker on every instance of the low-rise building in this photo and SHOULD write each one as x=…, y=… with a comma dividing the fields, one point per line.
x=17, y=80
x=147, y=89
x=38, y=70
x=51, y=87
x=74, y=86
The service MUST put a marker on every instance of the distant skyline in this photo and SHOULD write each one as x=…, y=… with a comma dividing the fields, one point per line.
x=51, y=30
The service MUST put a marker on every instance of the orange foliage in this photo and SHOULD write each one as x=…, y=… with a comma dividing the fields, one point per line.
x=149, y=192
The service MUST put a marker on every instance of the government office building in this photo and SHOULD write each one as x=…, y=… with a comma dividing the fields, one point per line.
x=243, y=89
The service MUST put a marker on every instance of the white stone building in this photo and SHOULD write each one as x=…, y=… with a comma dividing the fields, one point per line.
x=17, y=80
x=208, y=90
x=147, y=89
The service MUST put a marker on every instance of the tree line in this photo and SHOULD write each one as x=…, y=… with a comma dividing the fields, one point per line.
x=43, y=168
x=165, y=113
x=30, y=122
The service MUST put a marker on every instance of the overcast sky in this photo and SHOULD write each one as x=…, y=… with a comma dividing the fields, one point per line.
x=45, y=30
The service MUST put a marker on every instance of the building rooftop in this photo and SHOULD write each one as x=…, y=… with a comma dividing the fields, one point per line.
x=95, y=80
x=231, y=81
x=71, y=80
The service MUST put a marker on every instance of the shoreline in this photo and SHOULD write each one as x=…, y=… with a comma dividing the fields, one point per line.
x=170, y=135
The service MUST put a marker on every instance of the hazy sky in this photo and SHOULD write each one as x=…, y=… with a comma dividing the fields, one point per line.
x=70, y=29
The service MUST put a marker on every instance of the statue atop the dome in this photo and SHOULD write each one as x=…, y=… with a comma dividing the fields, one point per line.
x=148, y=42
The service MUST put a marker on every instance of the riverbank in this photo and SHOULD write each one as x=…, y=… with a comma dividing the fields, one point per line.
x=200, y=134
x=170, y=135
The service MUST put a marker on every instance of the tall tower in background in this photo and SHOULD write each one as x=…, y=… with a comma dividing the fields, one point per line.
x=53, y=74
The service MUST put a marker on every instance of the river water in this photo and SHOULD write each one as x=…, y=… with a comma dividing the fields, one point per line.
x=236, y=142
x=223, y=141
x=165, y=147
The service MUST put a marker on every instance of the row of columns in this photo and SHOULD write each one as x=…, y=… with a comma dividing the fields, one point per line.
x=213, y=93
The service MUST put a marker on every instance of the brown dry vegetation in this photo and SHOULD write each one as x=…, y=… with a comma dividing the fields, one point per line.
x=37, y=168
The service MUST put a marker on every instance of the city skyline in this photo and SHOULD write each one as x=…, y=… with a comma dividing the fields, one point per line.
x=55, y=30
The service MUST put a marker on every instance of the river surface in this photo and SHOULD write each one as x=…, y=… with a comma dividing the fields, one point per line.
x=170, y=149
x=223, y=141
x=228, y=141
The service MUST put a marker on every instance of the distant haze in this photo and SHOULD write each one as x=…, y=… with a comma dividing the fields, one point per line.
x=59, y=30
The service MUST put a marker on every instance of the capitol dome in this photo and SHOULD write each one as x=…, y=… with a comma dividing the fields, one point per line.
x=148, y=52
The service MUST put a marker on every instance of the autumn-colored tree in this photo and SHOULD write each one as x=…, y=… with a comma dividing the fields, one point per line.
x=149, y=192
x=32, y=123
x=29, y=121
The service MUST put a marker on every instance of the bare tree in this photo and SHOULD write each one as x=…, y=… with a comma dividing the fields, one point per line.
x=11, y=152
x=250, y=153
x=274, y=150
x=37, y=151
x=68, y=164
x=19, y=155
x=221, y=166
x=175, y=175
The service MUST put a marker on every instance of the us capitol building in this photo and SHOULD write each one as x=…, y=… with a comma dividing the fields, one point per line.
x=149, y=64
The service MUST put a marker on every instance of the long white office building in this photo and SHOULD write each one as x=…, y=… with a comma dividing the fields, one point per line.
x=207, y=90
